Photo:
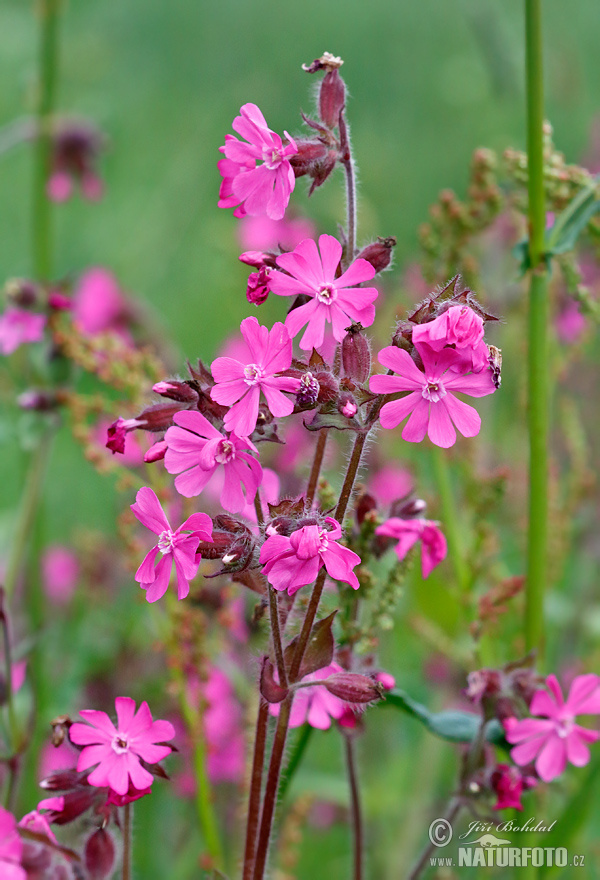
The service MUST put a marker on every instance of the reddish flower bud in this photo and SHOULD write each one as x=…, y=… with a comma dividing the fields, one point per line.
x=410, y=508
x=321, y=170
x=270, y=689
x=354, y=688
x=176, y=390
x=99, y=854
x=364, y=504
x=402, y=337
x=258, y=259
x=309, y=153
x=356, y=354
x=328, y=387
x=23, y=293
x=379, y=254
x=154, y=418
x=258, y=286
x=332, y=98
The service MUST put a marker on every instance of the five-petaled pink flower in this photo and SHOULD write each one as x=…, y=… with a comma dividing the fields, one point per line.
x=408, y=531
x=179, y=547
x=195, y=450
x=118, y=750
x=555, y=738
x=291, y=563
x=460, y=328
x=11, y=848
x=335, y=301
x=432, y=406
x=264, y=188
x=315, y=705
x=270, y=353
x=17, y=327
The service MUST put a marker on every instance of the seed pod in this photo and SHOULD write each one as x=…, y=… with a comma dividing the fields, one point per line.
x=379, y=254
x=332, y=98
x=354, y=688
x=99, y=854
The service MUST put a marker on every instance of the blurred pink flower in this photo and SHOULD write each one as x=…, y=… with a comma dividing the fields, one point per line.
x=408, y=531
x=196, y=450
x=55, y=758
x=264, y=234
x=335, y=301
x=99, y=305
x=291, y=563
x=315, y=705
x=175, y=546
x=11, y=848
x=117, y=750
x=262, y=189
x=570, y=323
x=390, y=483
x=555, y=738
x=432, y=405
x=238, y=384
x=60, y=571
x=17, y=327
x=223, y=724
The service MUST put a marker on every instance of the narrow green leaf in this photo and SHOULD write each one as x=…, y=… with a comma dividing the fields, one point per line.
x=452, y=726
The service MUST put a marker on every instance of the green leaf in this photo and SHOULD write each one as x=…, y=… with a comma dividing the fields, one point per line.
x=319, y=650
x=452, y=726
x=569, y=224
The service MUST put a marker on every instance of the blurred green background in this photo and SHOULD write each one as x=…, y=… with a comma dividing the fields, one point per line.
x=428, y=81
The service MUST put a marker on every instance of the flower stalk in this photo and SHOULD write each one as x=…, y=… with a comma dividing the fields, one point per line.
x=538, y=374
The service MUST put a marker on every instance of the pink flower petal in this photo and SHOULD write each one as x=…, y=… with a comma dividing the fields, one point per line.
x=148, y=510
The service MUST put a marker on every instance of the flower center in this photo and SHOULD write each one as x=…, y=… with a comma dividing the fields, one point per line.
x=253, y=374
x=327, y=294
x=120, y=743
x=564, y=726
x=323, y=540
x=434, y=391
x=272, y=158
x=166, y=541
x=225, y=452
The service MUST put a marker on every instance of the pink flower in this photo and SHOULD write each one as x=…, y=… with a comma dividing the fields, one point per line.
x=99, y=306
x=459, y=328
x=262, y=189
x=223, y=722
x=391, y=483
x=258, y=289
x=570, y=324
x=17, y=327
x=271, y=354
x=432, y=405
x=196, y=450
x=60, y=571
x=408, y=532
x=335, y=301
x=315, y=705
x=555, y=738
x=508, y=783
x=176, y=547
x=117, y=751
x=11, y=848
x=291, y=563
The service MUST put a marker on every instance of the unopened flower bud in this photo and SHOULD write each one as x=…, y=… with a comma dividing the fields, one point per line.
x=156, y=452
x=379, y=254
x=347, y=405
x=309, y=153
x=353, y=688
x=356, y=354
x=60, y=729
x=413, y=508
x=59, y=301
x=332, y=98
x=320, y=171
x=154, y=418
x=22, y=293
x=403, y=335
x=308, y=392
x=40, y=401
x=175, y=390
x=259, y=259
x=99, y=855
x=364, y=504
x=258, y=286
x=270, y=689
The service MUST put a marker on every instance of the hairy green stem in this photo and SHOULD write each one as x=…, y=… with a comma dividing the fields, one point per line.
x=27, y=512
x=538, y=374
x=42, y=247
x=258, y=759
x=355, y=812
